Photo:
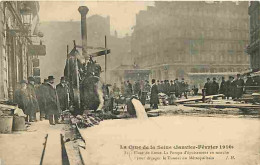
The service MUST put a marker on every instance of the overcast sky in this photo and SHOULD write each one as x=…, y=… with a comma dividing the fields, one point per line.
x=122, y=14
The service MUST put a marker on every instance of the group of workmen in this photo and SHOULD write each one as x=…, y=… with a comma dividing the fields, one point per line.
x=231, y=88
x=46, y=98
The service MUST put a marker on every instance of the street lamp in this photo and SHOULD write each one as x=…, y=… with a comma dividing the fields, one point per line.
x=26, y=13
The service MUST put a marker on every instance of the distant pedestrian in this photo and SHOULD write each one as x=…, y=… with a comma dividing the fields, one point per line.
x=154, y=100
x=52, y=102
x=239, y=82
x=129, y=89
x=223, y=88
x=207, y=87
x=177, y=87
x=214, y=87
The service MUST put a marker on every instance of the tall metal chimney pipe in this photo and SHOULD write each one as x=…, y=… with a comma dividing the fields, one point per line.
x=83, y=10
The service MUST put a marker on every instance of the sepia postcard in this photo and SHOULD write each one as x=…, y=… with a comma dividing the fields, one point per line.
x=129, y=82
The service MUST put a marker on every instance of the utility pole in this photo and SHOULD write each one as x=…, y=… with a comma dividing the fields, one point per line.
x=105, y=59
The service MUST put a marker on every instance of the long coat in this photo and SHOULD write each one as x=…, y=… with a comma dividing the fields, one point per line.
x=154, y=95
x=207, y=88
x=41, y=94
x=34, y=107
x=223, y=88
x=214, y=88
x=62, y=92
x=239, y=87
x=52, y=101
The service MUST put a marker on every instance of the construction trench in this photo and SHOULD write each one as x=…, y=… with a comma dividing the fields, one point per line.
x=72, y=138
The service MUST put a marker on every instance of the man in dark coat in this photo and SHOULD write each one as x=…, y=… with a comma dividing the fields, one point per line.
x=207, y=87
x=239, y=82
x=34, y=107
x=52, y=102
x=229, y=89
x=63, y=94
x=129, y=89
x=183, y=88
x=167, y=88
x=222, y=89
x=214, y=87
x=41, y=93
x=154, y=100
x=172, y=87
x=21, y=96
x=177, y=87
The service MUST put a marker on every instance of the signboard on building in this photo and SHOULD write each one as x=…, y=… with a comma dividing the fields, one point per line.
x=36, y=72
x=36, y=50
x=36, y=62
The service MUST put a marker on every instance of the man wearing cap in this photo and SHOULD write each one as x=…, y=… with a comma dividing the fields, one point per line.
x=52, y=102
x=33, y=106
x=63, y=94
x=41, y=93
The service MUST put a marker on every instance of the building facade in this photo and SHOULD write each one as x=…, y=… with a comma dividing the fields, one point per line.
x=180, y=39
x=254, y=44
x=18, y=25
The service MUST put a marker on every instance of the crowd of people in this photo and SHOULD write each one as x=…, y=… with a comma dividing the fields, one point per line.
x=45, y=98
x=231, y=88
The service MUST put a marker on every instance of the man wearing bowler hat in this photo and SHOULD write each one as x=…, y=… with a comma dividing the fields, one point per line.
x=52, y=102
x=63, y=94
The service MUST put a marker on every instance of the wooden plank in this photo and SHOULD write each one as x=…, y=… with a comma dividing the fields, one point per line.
x=53, y=149
x=197, y=98
x=205, y=105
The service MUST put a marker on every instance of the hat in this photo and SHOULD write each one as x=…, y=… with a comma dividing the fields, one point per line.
x=62, y=78
x=30, y=79
x=51, y=78
x=23, y=82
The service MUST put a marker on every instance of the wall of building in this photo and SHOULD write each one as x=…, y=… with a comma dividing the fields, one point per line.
x=176, y=38
x=15, y=64
x=253, y=48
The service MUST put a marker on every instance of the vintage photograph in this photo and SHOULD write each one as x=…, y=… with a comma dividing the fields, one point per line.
x=129, y=82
